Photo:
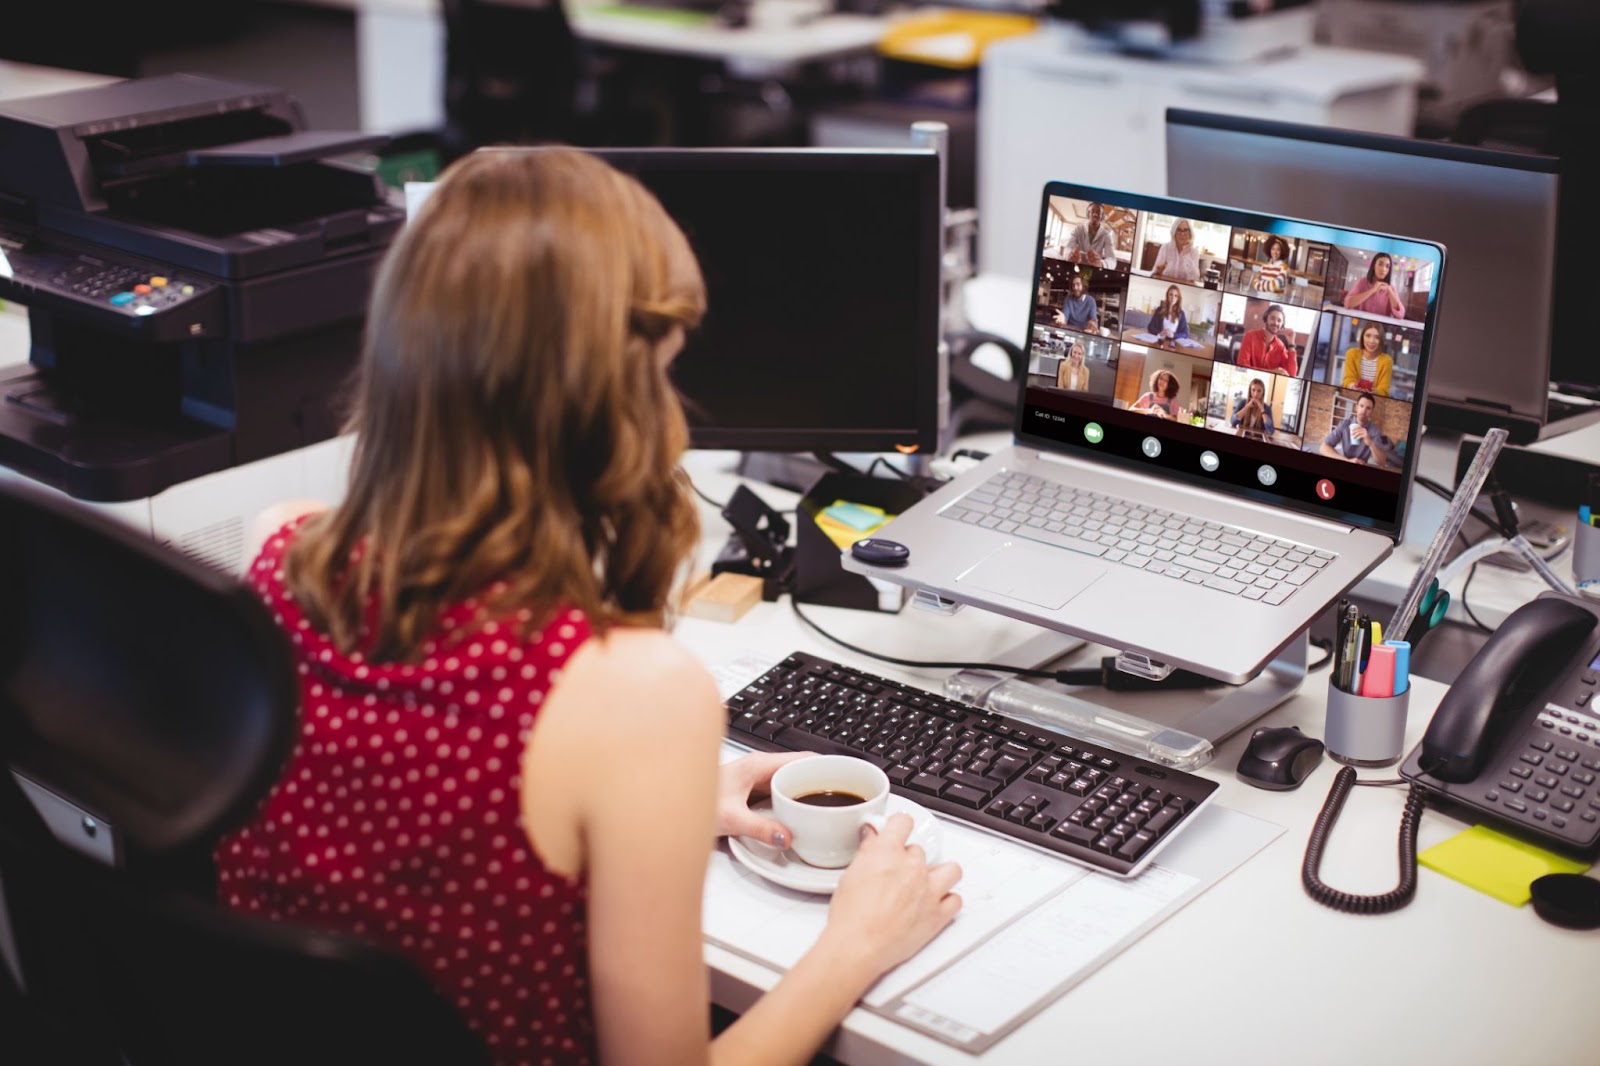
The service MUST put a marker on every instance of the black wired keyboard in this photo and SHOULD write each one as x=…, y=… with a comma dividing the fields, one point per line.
x=1096, y=806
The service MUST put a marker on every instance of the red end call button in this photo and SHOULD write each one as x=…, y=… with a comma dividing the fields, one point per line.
x=1325, y=489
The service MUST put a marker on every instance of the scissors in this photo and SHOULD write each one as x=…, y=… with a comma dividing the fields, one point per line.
x=1430, y=612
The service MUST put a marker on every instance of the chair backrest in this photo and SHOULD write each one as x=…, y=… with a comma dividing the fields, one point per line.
x=147, y=705
x=511, y=72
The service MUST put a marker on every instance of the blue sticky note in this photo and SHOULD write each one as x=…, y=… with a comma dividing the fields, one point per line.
x=856, y=516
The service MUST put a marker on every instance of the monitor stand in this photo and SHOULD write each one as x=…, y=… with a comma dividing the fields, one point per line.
x=1235, y=708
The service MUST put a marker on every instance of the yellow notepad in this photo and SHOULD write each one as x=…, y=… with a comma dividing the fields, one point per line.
x=1495, y=864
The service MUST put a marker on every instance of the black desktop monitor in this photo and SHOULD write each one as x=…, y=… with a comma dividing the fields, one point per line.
x=1496, y=212
x=822, y=272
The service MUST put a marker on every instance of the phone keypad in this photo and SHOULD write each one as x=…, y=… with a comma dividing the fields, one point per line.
x=1551, y=781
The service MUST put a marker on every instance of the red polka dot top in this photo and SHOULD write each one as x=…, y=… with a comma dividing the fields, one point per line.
x=398, y=819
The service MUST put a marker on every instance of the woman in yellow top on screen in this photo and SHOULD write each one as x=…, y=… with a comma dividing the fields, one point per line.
x=1073, y=371
x=1368, y=367
x=1273, y=275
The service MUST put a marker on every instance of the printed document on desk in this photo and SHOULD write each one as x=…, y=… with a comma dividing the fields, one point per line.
x=1031, y=926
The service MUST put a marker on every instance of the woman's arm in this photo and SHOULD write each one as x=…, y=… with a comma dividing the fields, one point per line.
x=1183, y=326
x=641, y=830
x=1397, y=308
x=1356, y=294
x=1352, y=369
x=1385, y=374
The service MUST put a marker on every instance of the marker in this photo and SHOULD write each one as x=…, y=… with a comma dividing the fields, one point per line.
x=1402, y=664
x=1377, y=682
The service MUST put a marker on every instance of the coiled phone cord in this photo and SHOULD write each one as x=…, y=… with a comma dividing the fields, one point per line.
x=1349, y=902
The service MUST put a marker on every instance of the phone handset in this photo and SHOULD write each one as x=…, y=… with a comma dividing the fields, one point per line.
x=1534, y=641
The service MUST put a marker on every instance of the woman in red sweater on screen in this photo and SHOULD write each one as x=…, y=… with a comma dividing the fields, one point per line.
x=507, y=770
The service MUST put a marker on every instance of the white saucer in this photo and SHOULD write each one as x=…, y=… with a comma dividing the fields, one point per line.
x=787, y=869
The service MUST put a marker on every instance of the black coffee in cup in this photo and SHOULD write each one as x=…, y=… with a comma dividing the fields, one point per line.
x=829, y=797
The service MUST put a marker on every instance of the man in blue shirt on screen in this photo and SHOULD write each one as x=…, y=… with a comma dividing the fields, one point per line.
x=1078, y=309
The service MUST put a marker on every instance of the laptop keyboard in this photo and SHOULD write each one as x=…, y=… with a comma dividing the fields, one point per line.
x=1225, y=558
x=1087, y=803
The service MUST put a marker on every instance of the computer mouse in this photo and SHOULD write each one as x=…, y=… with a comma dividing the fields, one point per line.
x=1279, y=758
x=880, y=552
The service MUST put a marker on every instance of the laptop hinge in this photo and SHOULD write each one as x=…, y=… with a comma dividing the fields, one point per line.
x=1233, y=501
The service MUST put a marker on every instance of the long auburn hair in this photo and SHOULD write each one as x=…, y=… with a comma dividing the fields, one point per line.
x=517, y=437
x=1253, y=421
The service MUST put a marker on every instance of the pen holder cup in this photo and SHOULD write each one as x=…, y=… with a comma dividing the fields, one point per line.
x=1586, y=552
x=1366, y=730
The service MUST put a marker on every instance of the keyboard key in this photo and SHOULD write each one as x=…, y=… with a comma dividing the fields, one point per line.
x=965, y=795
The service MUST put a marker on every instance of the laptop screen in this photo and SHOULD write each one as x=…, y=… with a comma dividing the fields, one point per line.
x=1271, y=358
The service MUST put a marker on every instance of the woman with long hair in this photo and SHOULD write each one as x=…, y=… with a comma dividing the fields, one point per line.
x=1252, y=416
x=507, y=770
x=1367, y=367
x=1375, y=294
x=1169, y=322
x=1073, y=371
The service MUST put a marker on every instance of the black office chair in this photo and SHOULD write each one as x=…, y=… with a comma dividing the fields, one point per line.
x=511, y=74
x=1557, y=37
x=147, y=704
x=979, y=400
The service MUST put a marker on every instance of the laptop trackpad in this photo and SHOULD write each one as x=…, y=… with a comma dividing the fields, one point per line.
x=1045, y=578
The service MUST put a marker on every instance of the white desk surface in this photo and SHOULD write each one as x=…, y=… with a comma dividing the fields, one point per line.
x=1253, y=971
x=28, y=79
x=834, y=34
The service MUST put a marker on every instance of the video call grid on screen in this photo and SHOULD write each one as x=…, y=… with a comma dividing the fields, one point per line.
x=1181, y=329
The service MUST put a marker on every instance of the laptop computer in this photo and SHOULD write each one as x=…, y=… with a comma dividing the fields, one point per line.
x=1215, y=438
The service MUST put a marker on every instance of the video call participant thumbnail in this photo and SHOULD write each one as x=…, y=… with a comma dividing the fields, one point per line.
x=1367, y=367
x=1359, y=438
x=1269, y=348
x=1079, y=310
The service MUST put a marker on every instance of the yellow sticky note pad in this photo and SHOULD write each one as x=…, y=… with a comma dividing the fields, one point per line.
x=1495, y=864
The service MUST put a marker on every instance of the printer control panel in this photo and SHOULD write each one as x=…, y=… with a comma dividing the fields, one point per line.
x=144, y=299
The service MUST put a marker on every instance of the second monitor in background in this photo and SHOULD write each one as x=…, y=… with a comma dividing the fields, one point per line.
x=1495, y=211
x=822, y=274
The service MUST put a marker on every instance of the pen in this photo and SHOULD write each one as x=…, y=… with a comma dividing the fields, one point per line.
x=1341, y=634
x=1351, y=646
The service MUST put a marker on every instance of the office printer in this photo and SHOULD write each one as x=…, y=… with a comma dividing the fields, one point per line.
x=196, y=268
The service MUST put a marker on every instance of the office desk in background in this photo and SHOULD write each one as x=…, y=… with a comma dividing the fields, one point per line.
x=1047, y=111
x=1252, y=971
x=400, y=49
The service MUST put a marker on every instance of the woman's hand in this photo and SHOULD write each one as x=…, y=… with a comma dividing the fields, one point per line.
x=741, y=777
x=890, y=902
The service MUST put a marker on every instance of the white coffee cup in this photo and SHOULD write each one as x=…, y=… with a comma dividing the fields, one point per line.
x=829, y=836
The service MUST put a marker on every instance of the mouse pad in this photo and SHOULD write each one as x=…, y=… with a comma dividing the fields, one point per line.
x=1495, y=864
x=1044, y=578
